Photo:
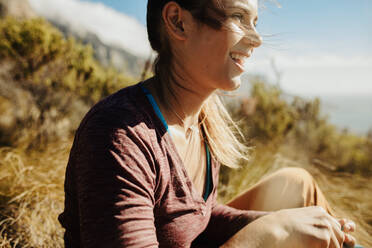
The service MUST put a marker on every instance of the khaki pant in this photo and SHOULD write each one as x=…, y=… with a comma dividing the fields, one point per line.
x=285, y=188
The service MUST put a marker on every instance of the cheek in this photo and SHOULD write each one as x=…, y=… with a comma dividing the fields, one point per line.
x=212, y=55
x=210, y=59
x=219, y=52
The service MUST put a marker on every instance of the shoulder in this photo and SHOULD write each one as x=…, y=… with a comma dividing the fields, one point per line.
x=121, y=116
x=126, y=105
x=116, y=133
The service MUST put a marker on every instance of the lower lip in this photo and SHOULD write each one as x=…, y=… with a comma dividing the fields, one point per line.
x=240, y=66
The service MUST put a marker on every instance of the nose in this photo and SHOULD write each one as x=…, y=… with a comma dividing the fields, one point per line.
x=253, y=38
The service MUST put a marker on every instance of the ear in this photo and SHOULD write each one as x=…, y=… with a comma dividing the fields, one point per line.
x=174, y=20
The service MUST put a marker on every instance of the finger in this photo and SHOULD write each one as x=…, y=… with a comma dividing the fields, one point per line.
x=335, y=223
x=350, y=241
x=350, y=226
x=336, y=242
x=342, y=221
x=347, y=225
x=339, y=235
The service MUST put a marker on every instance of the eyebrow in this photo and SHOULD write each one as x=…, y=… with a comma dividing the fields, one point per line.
x=241, y=5
x=246, y=10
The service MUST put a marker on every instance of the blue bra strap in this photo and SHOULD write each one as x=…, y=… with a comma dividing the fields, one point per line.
x=209, y=181
x=161, y=117
x=155, y=106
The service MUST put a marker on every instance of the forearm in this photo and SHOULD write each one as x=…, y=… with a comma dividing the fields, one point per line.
x=257, y=234
x=224, y=223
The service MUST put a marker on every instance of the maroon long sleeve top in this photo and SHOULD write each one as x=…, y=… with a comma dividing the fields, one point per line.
x=126, y=185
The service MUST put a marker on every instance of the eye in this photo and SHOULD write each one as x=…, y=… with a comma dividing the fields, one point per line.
x=238, y=16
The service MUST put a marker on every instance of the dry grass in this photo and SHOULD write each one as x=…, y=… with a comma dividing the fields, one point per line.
x=349, y=194
x=31, y=192
x=31, y=196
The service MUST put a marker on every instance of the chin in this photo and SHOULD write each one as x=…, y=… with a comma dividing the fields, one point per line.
x=231, y=84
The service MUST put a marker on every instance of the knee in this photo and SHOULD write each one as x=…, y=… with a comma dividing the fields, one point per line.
x=285, y=188
x=301, y=181
x=308, y=190
x=296, y=175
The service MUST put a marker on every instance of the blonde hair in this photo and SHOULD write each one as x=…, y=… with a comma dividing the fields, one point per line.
x=221, y=132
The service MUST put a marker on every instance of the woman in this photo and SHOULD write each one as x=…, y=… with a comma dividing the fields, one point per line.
x=143, y=169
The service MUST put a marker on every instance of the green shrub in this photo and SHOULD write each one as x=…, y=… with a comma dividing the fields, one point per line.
x=323, y=141
x=49, y=81
x=271, y=118
x=275, y=120
x=43, y=56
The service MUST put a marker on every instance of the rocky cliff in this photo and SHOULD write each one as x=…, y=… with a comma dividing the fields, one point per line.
x=16, y=8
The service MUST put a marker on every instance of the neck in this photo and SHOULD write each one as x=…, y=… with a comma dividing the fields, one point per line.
x=184, y=101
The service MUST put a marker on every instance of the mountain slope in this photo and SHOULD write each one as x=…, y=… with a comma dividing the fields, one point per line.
x=16, y=8
x=117, y=39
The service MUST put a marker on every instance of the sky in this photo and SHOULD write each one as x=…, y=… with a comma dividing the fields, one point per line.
x=318, y=47
x=331, y=25
x=337, y=21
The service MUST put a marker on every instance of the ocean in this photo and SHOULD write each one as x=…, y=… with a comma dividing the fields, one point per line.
x=350, y=111
x=353, y=112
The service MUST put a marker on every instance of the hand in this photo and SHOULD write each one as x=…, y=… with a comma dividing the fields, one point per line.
x=348, y=226
x=309, y=227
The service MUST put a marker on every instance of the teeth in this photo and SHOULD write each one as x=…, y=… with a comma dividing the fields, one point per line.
x=237, y=56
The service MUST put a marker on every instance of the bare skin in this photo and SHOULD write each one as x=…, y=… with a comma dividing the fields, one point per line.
x=297, y=228
x=206, y=60
x=201, y=71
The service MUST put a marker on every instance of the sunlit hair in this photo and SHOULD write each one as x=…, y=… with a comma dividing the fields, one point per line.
x=222, y=134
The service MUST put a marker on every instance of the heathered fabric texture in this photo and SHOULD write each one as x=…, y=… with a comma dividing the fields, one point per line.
x=126, y=185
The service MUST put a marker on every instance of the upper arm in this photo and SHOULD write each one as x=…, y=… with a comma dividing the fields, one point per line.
x=115, y=182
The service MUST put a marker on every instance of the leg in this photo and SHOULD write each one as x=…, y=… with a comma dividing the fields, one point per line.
x=286, y=188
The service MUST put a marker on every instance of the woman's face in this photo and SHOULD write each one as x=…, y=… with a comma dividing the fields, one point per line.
x=215, y=58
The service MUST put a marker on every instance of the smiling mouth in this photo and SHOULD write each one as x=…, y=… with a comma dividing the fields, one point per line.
x=239, y=58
